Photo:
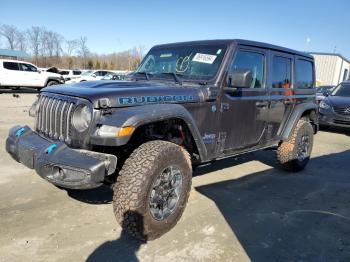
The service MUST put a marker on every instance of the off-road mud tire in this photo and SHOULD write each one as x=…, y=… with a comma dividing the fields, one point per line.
x=287, y=150
x=134, y=183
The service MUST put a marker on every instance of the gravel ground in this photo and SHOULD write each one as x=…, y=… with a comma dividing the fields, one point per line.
x=240, y=209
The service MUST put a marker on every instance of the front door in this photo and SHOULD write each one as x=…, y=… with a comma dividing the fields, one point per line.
x=244, y=104
x=30, y=75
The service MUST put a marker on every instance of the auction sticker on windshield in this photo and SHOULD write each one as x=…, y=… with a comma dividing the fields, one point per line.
x=204, y=58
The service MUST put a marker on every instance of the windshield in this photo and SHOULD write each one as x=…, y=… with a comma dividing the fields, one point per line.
x=86, y=73
x=199, y=62
x=342, y=90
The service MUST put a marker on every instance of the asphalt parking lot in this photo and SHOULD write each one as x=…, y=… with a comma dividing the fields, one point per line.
x=241, y=209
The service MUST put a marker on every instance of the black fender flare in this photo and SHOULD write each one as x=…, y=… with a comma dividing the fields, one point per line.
x=293, y=119
x=146, y=114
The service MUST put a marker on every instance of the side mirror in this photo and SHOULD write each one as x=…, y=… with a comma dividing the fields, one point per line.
x=325, y=94
x=39, y=71
x=240, y=78
x=93, y=75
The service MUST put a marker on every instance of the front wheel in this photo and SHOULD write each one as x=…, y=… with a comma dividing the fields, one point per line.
x=51, y=83
x=152, y=189
x=294, y=154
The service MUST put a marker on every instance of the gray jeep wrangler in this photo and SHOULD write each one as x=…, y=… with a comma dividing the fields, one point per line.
x=186, y=104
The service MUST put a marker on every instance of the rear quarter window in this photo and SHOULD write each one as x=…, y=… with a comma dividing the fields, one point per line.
x=303, y=74
x=11, y=66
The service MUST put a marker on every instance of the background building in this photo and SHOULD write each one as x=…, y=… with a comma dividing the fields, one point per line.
x=331, y=69
x=13, y=54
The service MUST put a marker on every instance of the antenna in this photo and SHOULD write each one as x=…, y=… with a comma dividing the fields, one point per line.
x=308, y=40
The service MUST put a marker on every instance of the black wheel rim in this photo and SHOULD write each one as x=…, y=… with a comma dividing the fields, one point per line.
x=165, y=193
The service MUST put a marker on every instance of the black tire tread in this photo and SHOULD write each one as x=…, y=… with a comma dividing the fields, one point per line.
x=286, y=151
x=127, y=190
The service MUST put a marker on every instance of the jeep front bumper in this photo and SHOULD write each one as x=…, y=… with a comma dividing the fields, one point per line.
x=56, y=162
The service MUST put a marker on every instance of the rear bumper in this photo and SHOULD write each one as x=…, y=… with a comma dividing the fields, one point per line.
x=56, y=162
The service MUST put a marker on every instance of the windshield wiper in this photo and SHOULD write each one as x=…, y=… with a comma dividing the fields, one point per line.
x=176, y=77
x=145, y=74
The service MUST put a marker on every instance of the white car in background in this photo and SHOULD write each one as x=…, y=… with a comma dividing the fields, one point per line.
x=16, y=74
x=70, y=74
x=90, y=75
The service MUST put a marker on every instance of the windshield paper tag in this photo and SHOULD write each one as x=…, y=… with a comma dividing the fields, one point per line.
x=204, y=58
x=166, y=55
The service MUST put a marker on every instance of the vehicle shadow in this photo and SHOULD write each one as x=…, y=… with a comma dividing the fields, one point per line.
x=122, y=249
x=22, y=90
x=278, y=216
x=95, y=196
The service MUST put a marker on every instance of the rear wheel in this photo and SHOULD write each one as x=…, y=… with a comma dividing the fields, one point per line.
x=294, y=154
x=152, y=189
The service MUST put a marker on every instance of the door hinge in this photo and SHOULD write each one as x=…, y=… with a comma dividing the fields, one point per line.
x=220, y=143
x=269, y=128
x=224, y=107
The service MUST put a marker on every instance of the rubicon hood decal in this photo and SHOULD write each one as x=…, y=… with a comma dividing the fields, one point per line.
x=140, y=100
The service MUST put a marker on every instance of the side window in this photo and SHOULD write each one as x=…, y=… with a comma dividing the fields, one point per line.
x=281, y=72
x=11, y=66
x=98, y=73
x=249, y=65
x=76, y=72
x=28, y=68
x=303, y=74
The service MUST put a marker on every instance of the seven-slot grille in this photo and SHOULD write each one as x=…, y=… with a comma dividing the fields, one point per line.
x=54, y=117
x=342, y=110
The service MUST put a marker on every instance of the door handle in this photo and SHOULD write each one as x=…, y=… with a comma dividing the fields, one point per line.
x=262, y=104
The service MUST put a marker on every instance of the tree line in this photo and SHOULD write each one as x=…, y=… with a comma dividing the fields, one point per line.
x=48, y=48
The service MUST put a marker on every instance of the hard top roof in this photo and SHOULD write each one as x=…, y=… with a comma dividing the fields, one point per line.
x=241, y=42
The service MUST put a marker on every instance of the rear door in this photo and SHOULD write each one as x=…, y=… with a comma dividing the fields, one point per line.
x=244, y=112
x=280, y=86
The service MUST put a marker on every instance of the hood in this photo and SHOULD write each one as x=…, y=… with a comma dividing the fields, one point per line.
x=130, y=93
x=51, y=74
x=340, y=101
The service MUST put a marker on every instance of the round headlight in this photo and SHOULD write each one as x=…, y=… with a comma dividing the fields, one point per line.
x=324, y=105
x=82, y=118
x=34, y=108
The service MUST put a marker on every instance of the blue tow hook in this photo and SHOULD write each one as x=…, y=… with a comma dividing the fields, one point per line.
x=50, y=149
x=20, y=132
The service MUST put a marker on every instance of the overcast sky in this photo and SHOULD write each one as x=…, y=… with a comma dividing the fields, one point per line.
x=111, y=26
